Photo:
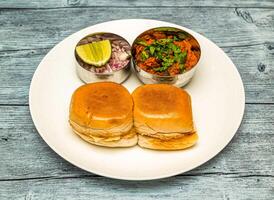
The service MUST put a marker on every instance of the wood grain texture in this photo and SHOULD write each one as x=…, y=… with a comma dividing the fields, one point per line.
x=26, y=155
x=245, y=34
x=133, y=3
x=217, y=187
x=29, y=169
x=255, y=64
x=32, y=29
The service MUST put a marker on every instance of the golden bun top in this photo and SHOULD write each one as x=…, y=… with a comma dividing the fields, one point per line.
x=101, y=105
x=163, y=108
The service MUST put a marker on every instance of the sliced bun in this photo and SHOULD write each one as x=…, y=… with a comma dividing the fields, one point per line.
x=101, y=105
x=126, y=140
x=102, y=110
x=102, y=113
x=162, y=108
x=182, y=142
x=163, y=117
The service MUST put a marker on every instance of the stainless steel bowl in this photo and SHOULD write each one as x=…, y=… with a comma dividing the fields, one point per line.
x=88, y=76
x=91, y=77
x=177, y=80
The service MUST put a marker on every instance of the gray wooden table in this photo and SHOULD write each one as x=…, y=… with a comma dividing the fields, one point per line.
x=29, y=169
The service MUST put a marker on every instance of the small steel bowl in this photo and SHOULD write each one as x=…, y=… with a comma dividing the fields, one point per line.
x=177, y=80
x=88, y=76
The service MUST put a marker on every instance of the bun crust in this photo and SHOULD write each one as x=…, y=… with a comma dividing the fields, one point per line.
x=109, y=132
x=182, y=142
x=127, y=140
x=101, y=113
x=163, y=108
x=163, y=117
x=102, y=105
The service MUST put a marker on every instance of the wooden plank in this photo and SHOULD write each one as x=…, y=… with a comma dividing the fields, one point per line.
x=216, y=187
x=17, y=68
x=127, y=3
x=32, y=29
x=255, y=64
x=26, y=156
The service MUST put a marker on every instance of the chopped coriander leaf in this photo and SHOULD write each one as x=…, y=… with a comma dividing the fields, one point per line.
x=160, y=69
x=146, y=48
x=175, y=48
x=183, y=57
x=158, y=48
x=167, y=62
x=182, y=68
x=177, y=57
x=144, y=55
x=159, y=55
x=184, y=53
x=170, y=45
x=175, y=38
x=142, y=42
x=151, y=50
x=164, y=41
x=180, y=57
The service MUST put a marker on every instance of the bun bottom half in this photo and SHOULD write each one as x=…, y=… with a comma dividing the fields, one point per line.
x=127, y=140
x=183, y=142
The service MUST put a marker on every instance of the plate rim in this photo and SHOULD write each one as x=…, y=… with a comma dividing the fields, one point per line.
x=65, y=157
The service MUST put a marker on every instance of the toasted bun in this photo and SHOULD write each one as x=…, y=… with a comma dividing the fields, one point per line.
x=102, y=105
x=185, y=141
x=127, y=140
x=109, y=132
x=101, y=114
x=162, y=108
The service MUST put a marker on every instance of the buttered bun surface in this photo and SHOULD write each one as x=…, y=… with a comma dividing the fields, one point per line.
x=101, y=113
x=163, y=117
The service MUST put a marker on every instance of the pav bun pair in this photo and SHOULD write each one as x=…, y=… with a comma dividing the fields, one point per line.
x=155, y=116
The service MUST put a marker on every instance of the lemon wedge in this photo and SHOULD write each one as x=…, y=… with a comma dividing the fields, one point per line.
x=95, y=53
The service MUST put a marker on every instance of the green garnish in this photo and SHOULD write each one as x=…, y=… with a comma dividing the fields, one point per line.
x=182, y=68
x=180, y=57
x=184, y=53
x=174, y=48
x=175, y=38
x=159, y=55
x=160, y=69
x=165, y=51
x=167, y=62
x=164, y=41
x=144, y=55
x=141, y=42
x=151, y=50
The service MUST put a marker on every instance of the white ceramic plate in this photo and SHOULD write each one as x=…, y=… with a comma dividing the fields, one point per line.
x=217, y=97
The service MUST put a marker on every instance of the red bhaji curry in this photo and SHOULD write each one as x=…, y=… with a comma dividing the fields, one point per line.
x=166, y=53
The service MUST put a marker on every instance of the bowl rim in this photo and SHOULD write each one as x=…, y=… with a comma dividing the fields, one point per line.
x=97, y=73
x=165, y=27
